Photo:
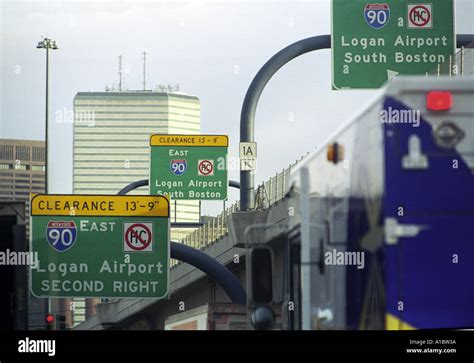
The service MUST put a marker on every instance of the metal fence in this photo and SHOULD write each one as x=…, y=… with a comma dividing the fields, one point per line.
x=210, y=232
x=273, y=189
x=459, y=65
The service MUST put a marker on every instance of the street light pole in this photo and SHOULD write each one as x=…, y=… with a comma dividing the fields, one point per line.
x=47, y=44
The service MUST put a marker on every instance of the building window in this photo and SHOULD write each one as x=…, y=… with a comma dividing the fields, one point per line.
x=23, y=153
x=22, y=187
x=37, y=167
x=6, y=166
x=6, y=152
x=38, y=153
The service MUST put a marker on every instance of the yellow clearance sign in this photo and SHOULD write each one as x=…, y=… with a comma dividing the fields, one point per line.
x=189, y=140
x=99, y=205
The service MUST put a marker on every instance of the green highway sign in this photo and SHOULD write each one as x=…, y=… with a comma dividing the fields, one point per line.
x=100, y=246
x=373, y=41
x=189, y=166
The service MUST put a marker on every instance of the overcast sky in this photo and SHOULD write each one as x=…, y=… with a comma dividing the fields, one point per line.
x=211, y=48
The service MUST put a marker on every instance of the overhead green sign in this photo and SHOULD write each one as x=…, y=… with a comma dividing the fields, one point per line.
x=373, y=41
x=100, y=246
x=189, y=166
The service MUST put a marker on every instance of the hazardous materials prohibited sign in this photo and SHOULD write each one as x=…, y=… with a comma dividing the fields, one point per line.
x=206, y=167
x=138, y=237
x=420, y=16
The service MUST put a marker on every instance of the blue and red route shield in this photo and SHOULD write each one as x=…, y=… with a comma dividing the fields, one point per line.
x=61, y=235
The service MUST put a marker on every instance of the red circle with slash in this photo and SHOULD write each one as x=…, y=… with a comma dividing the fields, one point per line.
x=415, y=11
x=206, y=167
x=145, y=242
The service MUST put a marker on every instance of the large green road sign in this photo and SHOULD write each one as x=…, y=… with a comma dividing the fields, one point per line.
x=100, y=246
x=189, y=166
x=373, y=41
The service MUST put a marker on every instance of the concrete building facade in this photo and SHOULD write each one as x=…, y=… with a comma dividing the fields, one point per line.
x=22, y=169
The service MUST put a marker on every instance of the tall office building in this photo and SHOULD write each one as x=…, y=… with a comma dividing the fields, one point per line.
x=111, y=144
x=22, y=172
x=111, y=139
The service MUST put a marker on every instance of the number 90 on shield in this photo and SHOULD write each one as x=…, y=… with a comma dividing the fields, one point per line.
x=61, y=235
x=178, y=166
x=377, y=15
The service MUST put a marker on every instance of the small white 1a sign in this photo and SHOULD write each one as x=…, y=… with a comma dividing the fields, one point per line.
x=248, y=150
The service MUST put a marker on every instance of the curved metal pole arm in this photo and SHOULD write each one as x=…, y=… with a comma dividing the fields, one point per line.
x=218, y=272
x=247, y=115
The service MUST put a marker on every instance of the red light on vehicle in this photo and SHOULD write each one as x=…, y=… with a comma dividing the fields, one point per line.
x=49, y=318
x=439, y=101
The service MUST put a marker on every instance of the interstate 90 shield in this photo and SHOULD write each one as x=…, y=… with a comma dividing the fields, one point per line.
x=61, y=235
x=377, y=15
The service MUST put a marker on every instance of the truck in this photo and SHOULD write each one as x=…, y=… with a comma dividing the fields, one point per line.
x=382, y=234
